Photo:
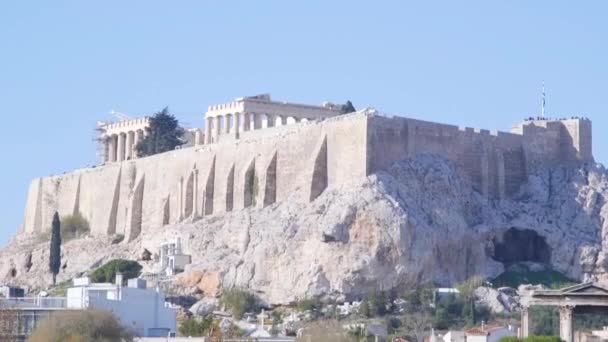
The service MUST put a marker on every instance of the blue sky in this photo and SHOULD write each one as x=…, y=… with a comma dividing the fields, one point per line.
x=66, y=64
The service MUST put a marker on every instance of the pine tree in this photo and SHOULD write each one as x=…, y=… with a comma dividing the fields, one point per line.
x=55, y=250
x=162, y=135
x=348, y=108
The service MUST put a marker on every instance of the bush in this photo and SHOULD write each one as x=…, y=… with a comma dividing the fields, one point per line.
x=74, y=227
x=107, y=273
x=238, y=301
x=378, y=302
x=549, y=278
x=193, y=327
x=326, y=331
x=81, y=326
x=308, y=305
x=531, y=339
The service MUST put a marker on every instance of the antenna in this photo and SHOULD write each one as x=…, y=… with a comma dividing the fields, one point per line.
x=543, y=103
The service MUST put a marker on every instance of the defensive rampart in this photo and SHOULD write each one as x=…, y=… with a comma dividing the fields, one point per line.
x=266, y=166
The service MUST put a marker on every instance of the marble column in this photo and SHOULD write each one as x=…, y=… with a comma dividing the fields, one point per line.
x=565, y=323
x=197, y=137
x=135, y=143
x=129, y=146
x=105, y=153
x=121, y=147
x=209, y=127
x=525, y=322
x=227, y=127
x=252, y=119
x=112, y=146
x=238, y=124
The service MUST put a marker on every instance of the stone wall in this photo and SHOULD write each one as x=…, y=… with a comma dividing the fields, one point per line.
x=493, y=162
x=262, y=167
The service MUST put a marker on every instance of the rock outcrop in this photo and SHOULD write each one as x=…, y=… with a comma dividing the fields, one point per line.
x=419, y=222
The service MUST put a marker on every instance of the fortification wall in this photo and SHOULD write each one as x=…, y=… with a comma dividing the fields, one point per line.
x=257, y=170
x=262, y=167
x=493, y=161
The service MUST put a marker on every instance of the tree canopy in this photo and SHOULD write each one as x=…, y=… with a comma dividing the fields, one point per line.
x=164, y=134
x=107, y=273
x=81, y=326
x=348, y=108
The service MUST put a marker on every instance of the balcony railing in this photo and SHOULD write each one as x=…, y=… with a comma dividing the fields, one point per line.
x=33, y=303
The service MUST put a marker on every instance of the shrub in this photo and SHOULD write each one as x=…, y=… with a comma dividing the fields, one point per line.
x=107, y=273
x=509, y=339
x=549, y=278
x=239, y=301
x=308, y=304
x=378, y=302
x=193, y=327
x=74, y=226
x=326, y=331
x=531, y=339
x=81, y=326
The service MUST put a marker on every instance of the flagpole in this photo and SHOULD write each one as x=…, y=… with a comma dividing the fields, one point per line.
x=543, y=101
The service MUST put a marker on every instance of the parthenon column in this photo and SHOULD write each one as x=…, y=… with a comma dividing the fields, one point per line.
x=209, y=127
x=525, y=322
x=565, y=323
x=236, y=121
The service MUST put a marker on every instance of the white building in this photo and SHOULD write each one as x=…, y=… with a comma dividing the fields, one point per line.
x=172, y=258
x=138, y=308
x=454, y=336
x=489, y=334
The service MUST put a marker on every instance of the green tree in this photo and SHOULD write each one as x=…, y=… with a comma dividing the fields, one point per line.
x=238, y=301
x=378, y=302
x=163, y=134
x=193, y=327
x=107, y=273
x=347, y=108
x=81, y=326
x=55, y=250
x=364, y=309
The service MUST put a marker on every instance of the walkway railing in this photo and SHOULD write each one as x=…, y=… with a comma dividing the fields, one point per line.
x=33, y=303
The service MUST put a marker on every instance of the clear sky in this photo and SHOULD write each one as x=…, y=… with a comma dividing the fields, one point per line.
x=66, y=64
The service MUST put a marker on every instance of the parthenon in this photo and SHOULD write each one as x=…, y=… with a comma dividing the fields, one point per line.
x=257, y=112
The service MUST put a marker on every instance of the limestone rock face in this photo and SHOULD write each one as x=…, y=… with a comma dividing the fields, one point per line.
x=419, y=222
x=204, y=306
x=497, y=301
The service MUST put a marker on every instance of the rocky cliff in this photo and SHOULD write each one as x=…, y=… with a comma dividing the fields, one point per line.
x=418, y=222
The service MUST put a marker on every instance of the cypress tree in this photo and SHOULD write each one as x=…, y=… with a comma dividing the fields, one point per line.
x=164, y=134
x=55, y=251
x=348, y=108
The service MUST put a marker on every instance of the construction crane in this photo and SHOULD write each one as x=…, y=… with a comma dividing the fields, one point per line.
x=120, y=116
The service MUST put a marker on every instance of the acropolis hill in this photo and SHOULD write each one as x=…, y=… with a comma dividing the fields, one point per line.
x=255, y=152
x=295, y=201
